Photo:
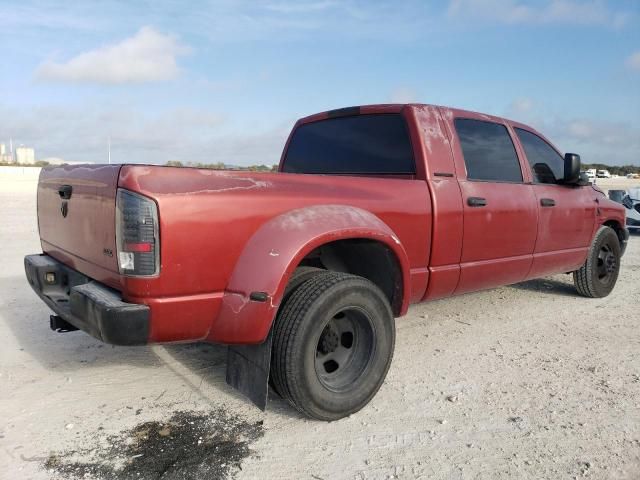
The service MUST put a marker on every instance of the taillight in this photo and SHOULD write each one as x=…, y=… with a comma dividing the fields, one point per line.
x=137, y=234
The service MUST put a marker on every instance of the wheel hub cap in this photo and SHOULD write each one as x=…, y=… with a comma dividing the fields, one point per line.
x=328, y=341
x=610, y=263
x=344, y=349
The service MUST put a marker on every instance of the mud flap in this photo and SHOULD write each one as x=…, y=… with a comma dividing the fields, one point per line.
x=248, y=370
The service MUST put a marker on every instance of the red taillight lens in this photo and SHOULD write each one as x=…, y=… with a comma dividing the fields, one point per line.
x=137, y=234
x=142, y=247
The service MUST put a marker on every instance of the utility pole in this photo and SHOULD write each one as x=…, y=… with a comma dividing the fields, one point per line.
x=109, y=147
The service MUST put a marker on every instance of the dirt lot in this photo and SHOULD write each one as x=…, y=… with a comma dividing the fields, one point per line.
x=526, y=381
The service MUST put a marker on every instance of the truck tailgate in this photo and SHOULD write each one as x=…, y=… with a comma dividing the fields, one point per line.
x=76, y=213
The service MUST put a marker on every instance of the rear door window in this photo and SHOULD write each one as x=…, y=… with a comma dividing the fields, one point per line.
x=546, y=164
x=360, y=144
x=488, y=151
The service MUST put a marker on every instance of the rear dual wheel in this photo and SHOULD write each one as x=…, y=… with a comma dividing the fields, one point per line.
x=333, y=344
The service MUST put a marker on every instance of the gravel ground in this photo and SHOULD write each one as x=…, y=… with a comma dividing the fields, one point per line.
x=525, y=381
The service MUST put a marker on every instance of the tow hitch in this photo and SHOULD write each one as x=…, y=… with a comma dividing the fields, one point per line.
x=60, y=325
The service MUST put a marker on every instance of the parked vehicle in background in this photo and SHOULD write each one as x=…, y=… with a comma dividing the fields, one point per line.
x=303, y=272
x=591, y=173
x=617, y=195
x=630, y=199
x=603, y=174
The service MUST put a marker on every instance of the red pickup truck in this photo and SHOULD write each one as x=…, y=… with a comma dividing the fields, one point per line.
x=302, y=272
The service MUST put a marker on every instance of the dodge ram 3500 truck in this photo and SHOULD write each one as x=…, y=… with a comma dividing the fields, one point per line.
x=303, y=271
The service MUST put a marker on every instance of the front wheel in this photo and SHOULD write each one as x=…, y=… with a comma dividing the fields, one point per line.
x=597, y=277
x=333, y=344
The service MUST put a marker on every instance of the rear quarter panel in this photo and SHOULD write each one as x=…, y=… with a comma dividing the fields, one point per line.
x=207, y=218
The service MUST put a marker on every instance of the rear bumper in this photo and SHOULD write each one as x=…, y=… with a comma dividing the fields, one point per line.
x=87, y=304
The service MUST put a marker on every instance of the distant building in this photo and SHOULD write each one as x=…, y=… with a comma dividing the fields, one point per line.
x=25, y=155
x=5, y=155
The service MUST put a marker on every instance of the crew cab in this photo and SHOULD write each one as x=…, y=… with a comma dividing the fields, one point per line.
x=303, y=271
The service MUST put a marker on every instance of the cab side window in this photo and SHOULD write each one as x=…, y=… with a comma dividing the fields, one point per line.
x=488, y=151
x=546, y=164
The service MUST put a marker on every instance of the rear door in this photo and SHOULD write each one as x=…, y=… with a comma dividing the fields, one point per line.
x=76, y=216
x=500, y=214
x=567, y=214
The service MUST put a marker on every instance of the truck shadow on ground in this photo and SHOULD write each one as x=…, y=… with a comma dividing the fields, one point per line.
x=196, y=365
x=547, y=285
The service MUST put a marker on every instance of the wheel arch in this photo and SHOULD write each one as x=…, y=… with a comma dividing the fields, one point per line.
x=257, y=284
x=620, y=230
x=366, y=257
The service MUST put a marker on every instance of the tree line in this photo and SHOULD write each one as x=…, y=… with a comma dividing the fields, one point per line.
x=222, y=166
x=39, y=163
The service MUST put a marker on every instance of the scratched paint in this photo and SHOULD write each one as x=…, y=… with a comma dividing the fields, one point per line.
x=339, y=216
x=427, y=117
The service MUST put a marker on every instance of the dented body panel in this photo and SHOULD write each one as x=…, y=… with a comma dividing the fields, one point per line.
x=229, y=241
x=228, y=234
x=304, y=229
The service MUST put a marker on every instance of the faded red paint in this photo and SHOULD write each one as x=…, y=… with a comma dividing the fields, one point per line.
x=227, y=234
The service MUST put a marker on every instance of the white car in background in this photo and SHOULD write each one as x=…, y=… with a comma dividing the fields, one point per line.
x=603, y=174
x=591, y=173
x=631, y=201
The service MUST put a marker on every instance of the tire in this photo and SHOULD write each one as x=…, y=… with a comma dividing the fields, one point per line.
x=298, y=277
x=333, y=344
x=597, y=277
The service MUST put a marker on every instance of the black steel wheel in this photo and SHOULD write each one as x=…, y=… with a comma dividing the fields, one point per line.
x=597, y=277
x=345, y=348
x=333, y=344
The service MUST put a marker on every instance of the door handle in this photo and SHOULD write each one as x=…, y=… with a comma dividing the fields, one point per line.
x=547, y=202
x=65, y=191
x=477, y=202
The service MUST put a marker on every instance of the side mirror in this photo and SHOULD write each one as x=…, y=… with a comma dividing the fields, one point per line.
x=627, y=202
x=571, y=169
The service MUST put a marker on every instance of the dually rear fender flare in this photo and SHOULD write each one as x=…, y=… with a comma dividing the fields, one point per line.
x=273, y=253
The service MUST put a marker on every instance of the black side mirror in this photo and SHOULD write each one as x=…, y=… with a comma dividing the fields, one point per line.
x=627, y=202
x=571, y=169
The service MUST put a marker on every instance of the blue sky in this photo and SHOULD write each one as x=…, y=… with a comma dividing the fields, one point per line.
x=225, y=80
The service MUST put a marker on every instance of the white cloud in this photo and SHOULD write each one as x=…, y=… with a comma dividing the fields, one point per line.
x=580, y=12
x=148, y=56
x=403, y=95
x=604, y=133
x=79, y=134
x=633, y=61
x=599, y=141
x=520, y=106
x=596, y=140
